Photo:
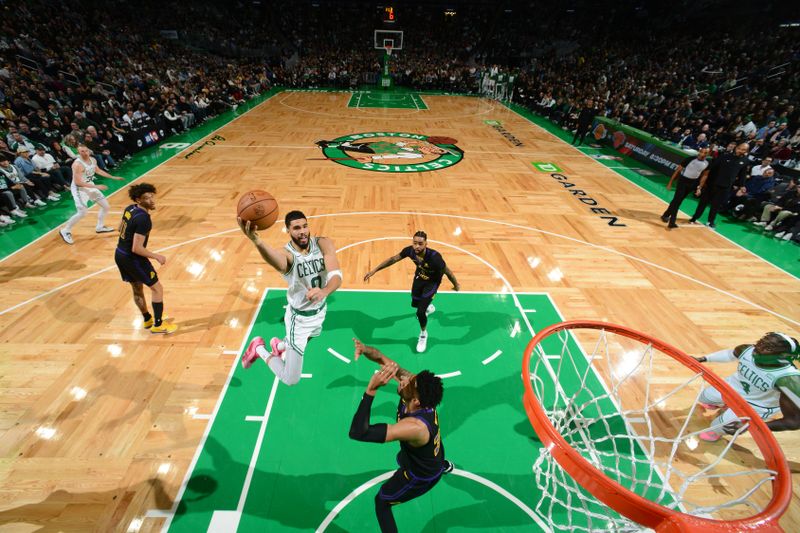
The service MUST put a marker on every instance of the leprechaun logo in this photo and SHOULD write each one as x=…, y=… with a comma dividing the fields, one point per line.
x=393, y=152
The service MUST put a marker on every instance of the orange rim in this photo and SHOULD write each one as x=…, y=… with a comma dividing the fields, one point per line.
x=630, y=504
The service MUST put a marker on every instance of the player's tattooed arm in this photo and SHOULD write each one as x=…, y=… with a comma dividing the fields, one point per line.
x=387, y=263
x=376, y=356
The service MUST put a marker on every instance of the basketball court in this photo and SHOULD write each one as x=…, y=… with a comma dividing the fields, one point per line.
x=107, y=427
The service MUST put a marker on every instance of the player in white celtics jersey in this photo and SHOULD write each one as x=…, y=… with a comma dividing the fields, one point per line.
x=310, y=267
x=84, y=189
x=766, y=378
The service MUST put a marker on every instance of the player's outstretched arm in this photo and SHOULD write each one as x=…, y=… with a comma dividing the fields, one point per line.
x=790, y=405
x=275, y=258
x=376, y=356
x=387, y=263
x=723, y=356
x=105, y=174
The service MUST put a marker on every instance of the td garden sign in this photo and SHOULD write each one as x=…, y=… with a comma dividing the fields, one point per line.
x=393, y=151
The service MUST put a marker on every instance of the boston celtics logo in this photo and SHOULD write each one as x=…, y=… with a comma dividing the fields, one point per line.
x=393, y=152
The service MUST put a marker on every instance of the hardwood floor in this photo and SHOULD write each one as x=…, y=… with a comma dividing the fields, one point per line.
x=98, y=416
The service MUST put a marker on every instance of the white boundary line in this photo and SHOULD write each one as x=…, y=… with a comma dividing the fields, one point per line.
x=257, y=447
x=645, y=190
x=458, y=472
x=492, y=357
x=179, y=496
x=203, y=138
x=337, y=355
x=458, y=217
x=572, y=239
x=450, y=374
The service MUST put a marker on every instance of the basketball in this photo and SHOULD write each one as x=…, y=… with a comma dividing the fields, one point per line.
x=259, y=207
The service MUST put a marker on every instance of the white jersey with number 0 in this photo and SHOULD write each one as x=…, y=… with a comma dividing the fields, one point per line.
x=307, y=271
x=755, y=383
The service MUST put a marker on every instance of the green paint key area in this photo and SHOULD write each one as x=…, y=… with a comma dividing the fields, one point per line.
x=279, y=458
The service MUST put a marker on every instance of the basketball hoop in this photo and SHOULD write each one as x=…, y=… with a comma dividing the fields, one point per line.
x=388, y=47
x=605, y=434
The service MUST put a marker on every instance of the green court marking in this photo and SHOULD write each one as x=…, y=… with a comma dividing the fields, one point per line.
x=545, y=167
x=386, y=100
x=306, y=464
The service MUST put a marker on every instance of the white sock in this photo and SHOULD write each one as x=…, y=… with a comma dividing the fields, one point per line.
x=262, y=352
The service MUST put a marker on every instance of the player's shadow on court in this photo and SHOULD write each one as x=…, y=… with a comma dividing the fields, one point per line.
x=484, y=514
x=132, y=389
x=480, y=324
x=208, y=322
x=70, y=309
x=461, y=403
x=9, y=273
x=446, y=329
x=148, y=494
x=364, y=326
x=310, y=497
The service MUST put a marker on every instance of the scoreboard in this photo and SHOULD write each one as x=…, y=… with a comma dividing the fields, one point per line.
x=389, y=16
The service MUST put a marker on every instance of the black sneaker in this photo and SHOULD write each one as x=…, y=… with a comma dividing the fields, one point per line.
x=672, y=225
x=664, y=218
x=448, y=467
x=711, y=225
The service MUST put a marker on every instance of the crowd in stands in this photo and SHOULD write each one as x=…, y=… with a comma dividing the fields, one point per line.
x=82, y=77
x=699, y=74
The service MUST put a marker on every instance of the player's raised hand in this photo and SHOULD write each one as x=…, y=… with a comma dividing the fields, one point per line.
x=360, y=348
x=248, y=229
x=382, y=377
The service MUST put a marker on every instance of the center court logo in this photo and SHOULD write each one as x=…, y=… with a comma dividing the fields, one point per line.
x=393, y=151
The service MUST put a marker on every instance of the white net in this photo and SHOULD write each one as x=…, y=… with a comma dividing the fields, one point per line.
x=634, y=414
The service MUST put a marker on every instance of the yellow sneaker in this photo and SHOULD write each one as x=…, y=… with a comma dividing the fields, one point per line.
x=148, y=324
x=165, y=328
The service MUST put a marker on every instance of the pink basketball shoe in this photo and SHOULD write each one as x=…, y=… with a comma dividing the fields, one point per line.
x=250, y=355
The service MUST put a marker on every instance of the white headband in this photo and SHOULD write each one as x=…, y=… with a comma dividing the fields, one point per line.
x=787, y=338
